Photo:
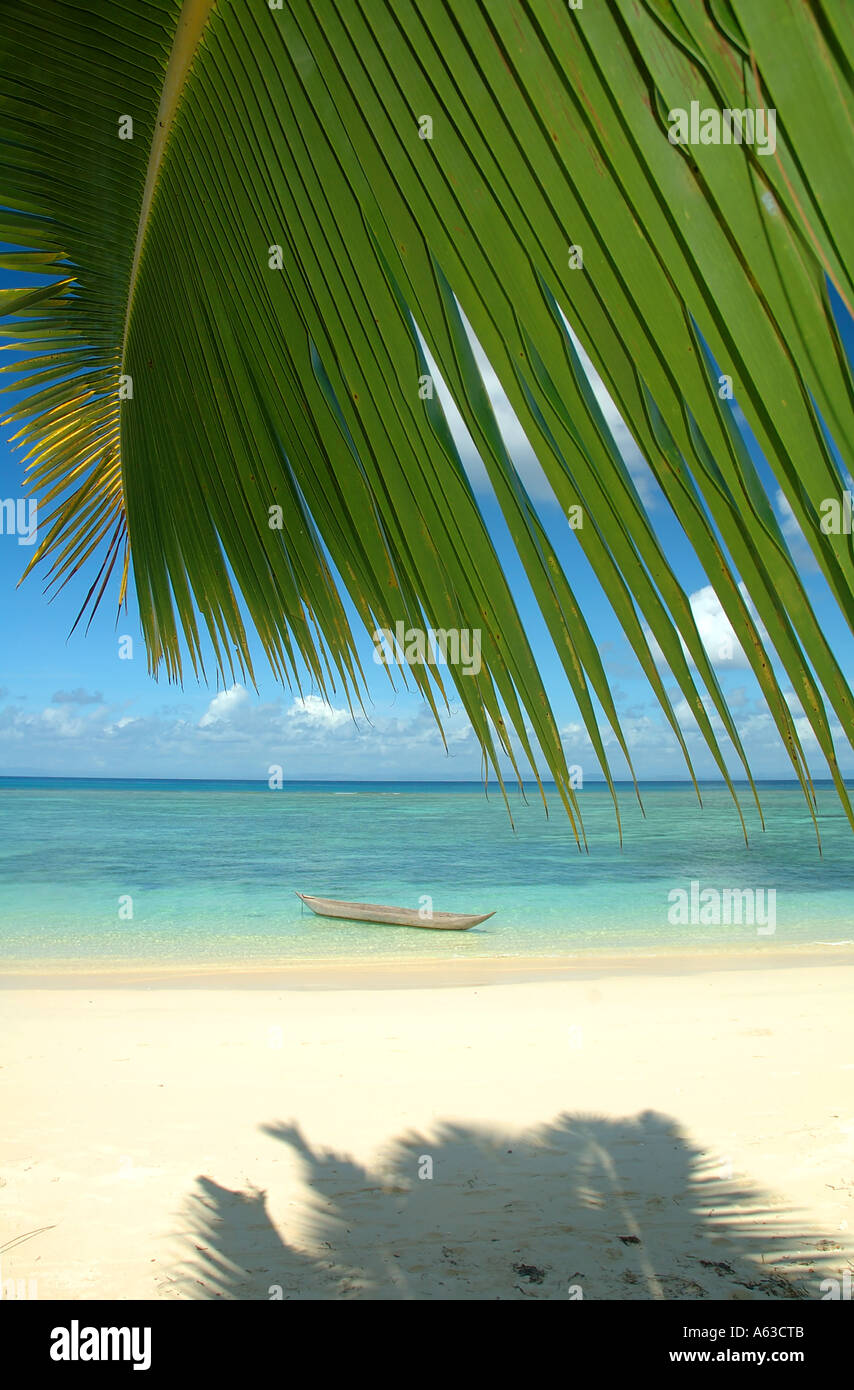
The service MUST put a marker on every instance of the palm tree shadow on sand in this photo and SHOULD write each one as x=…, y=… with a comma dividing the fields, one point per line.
x=581, y=1207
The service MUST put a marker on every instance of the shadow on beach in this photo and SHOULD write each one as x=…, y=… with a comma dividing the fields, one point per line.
x=581, y=1207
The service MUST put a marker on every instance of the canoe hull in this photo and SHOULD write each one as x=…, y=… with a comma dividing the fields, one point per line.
x=392, y=916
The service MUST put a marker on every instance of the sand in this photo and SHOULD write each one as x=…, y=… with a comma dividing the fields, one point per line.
x=632, y=1130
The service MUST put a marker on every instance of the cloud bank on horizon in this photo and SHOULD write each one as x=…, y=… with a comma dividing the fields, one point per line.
x=240, y=735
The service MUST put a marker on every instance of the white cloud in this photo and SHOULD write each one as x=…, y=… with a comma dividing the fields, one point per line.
x=313, y=710
x=120, y=724
x=311, y=740
x=716, y=632
x=238, y=735
x=655, y=752
x=223, y=706
x=62, y=722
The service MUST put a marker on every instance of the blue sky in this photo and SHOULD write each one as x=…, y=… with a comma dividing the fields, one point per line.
x=70, y=706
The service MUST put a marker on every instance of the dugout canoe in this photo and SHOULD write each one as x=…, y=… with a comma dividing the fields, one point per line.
x=392, y=916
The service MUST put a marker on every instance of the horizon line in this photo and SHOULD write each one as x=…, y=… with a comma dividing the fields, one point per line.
x=429, y=781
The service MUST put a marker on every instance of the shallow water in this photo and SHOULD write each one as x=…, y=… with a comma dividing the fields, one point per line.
x=209, y=871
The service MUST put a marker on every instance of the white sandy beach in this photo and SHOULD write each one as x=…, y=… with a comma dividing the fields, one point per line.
x=649, y=1130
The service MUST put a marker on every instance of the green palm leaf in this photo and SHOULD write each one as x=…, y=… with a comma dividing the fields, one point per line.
x=246, y=286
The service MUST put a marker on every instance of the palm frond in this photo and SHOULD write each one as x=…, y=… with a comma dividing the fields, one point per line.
x=248, y=283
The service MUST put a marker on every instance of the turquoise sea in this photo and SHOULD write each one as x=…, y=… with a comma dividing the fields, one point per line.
x=209, y=870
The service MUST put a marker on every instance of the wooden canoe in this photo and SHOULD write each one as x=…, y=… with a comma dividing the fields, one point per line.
x=392, y=916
